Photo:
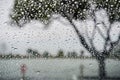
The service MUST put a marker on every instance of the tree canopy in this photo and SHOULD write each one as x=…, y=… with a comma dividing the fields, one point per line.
x=27, y=10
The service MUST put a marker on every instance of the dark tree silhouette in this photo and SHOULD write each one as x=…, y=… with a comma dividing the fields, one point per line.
x=29, y=50
x=60, y=54
x=46, y=54
x=33, y=52
x=81, y=53
x=26, y=10
x=72, y=54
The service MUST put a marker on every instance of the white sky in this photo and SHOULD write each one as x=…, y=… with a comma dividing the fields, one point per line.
x=33, y=35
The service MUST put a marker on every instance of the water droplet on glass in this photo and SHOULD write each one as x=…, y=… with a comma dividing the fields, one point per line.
x=90, y=64
x=37, y=72
x=21, y=79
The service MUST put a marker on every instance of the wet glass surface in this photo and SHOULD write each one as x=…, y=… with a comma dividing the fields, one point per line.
x=59, y=40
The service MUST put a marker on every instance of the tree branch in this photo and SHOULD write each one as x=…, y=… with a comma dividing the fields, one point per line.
x=107, y=40
x=89, y=39
x=82, y=40
x=100, y=32
x=96, y=25
x=113, y=44
x=92, y=38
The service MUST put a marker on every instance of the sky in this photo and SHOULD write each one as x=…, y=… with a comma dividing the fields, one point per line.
x=59, y=34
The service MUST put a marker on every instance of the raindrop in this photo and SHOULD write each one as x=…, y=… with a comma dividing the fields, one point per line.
x=14, y=48
x=21, y=79
x=90, y=64
x=74, y=77
x=28, y=42
x=37, y=72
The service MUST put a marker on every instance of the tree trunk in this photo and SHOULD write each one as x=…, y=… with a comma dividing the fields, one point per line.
x=100, y=59
x=102, y=72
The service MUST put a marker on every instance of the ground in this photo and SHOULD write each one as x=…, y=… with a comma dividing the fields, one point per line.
x=54, y=69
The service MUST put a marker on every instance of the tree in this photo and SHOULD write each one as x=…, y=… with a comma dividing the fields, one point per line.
x=82, y=54
x=69, y=55
x=33, y=52
x=60, y=54
x=112, y=10
x=9, y=56
x=72, y=54
x=46, y=54
x=26, y=10
x=29, y=50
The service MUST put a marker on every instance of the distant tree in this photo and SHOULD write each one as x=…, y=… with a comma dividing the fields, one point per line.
x=75, y=55
x=17, y=56
x=8, y=56
x=33, y=52
x=29, y=50
x=51, y=56
x=69, y=54
x=82, y=53
x=60, y=54
x=72, y=54
x=46, y=54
